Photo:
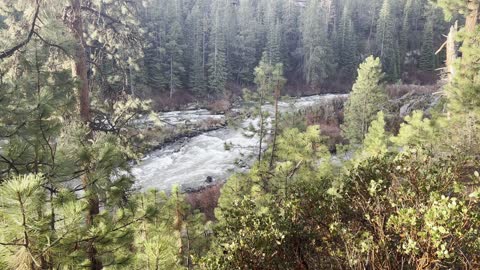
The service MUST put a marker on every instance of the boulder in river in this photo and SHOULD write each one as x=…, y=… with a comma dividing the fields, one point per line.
x=209, y=179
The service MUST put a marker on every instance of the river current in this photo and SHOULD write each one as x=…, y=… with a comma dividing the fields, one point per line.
x=190, y=162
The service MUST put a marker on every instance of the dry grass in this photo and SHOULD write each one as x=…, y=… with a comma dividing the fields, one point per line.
x=163, y=102
x=329, y=119
x=205, y=200
x=397, y=91
x=220, y=106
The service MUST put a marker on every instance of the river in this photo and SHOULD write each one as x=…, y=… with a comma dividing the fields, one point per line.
x=189, y=162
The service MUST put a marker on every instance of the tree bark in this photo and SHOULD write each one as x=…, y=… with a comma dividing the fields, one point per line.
x=451, y=51
x=275, y=130
x=80, y=71
x=80, y=67
x=472, y=17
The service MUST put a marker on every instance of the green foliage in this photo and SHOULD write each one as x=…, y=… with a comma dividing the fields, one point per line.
x=366, y=99
x=316, y=49
x=22, y=199
x=412, y=208
x=156, y=241
x=245, y=52
x=452, y=7
x=258, y=229
x=164, y=63
x=347, y=42
x=427, y=53
x=416, y=131
x=376, y=140
x=387, y=43
x=66, y=198
x=205, y=45
x=464, y=90
x=269, y=80
x=217, y=71
x=407, y=23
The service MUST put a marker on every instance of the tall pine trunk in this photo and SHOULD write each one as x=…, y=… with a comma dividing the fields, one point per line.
x=80, y=69
x=275, y=129
x=472, y=17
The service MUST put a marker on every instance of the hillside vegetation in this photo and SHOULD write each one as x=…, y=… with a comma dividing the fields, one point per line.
x=390, y=179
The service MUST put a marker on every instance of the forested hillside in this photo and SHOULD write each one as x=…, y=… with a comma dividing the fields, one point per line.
x=386, y=177
x=212, y=47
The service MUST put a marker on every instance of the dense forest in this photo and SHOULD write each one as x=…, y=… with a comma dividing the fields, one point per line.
x=388, y=179
x=212, y=47
x=204, y=45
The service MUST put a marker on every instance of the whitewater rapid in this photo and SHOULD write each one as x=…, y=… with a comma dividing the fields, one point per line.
x=189, y=162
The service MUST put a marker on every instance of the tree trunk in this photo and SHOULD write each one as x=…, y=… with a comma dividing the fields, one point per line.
x=132, y=86
x=261, y=130
x=79, y=70
x=171, y=77
x=80, y=67
x=275, y=130
x=472, y=17
x=451, y=51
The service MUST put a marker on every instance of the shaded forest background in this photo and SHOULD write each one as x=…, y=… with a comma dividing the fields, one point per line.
x=209, y=49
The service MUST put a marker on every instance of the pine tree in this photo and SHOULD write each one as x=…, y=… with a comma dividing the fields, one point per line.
x=467, y=8
x=405, y=44
x=290, y=31
x=156, y=241
x=273, y=48
x=270, y=81
x=245, y=46
x=375, y=142
x=317, y=51
x=217, y=70
x=196, y=27
x=416, y=131
x=231, y=23
x=174, y=47
x=366, y=99
x=63, y=144
x=427, y=53
x=347, y=42
x=297, y=175
x=22, y=201
x=462, y=121
x=152, y=66
x=387, y=43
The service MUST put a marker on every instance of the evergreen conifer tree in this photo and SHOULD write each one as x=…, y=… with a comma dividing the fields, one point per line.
x=316, y=48
x=366, y=99
x=347, y=42
x=405, y=44
x=427, y=53
x=217, y=70
x=387, y=43
x=375, y=142
x=245, y=47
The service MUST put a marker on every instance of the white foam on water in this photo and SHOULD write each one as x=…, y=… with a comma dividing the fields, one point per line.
x=190, y=162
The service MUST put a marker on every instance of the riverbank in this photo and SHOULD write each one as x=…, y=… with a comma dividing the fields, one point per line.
x=189, y=162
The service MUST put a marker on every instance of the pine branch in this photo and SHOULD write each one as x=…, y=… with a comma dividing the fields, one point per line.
x=102, y=14
x=10, y=163
x=11, y=244
x=11, y=51
x=51, y=44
